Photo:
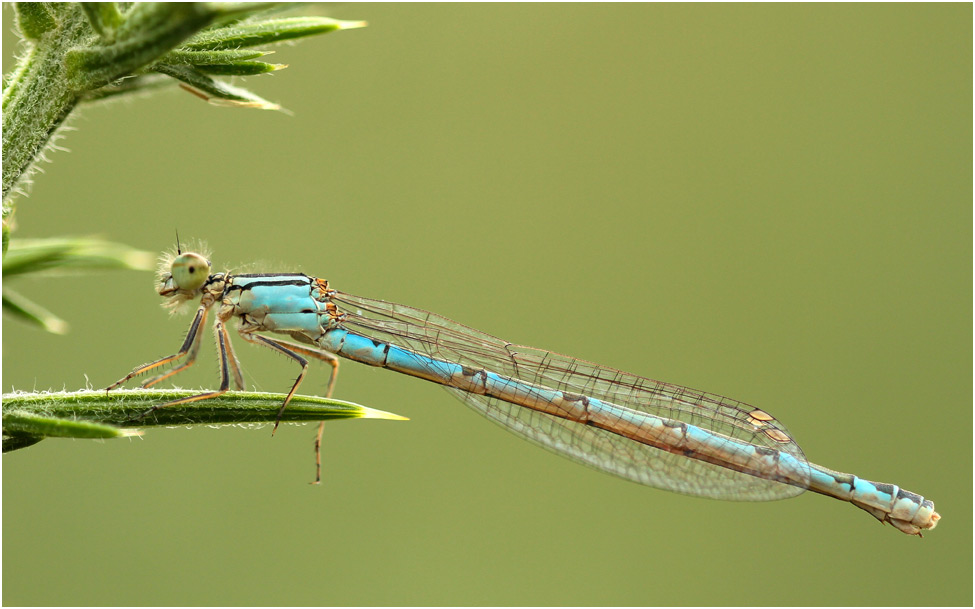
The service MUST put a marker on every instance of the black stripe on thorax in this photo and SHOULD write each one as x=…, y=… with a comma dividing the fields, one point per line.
x=299, y=279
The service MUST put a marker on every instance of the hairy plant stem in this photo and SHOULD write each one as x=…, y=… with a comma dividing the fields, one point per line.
x=36, y=101
x=88, y=51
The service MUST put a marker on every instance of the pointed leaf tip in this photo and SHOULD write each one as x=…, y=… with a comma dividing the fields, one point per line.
x=351, y=25
x=214, y=91
x=27, y=310
x=248, y=34
x=372, y=413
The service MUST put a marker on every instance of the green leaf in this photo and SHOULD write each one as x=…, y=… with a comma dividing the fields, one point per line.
x=16, y=442
x=17, y=422
x=149, y=30
x=72, y=254
x=250, y=34
x=104, y=18
x=215, y=91
x=253, y=11
x=125, y=407
x=28, y=418
x=195, y=58
x=133, y=84
x=29, y=311
x=241, y=68
x=67, y=255
x=223, y=63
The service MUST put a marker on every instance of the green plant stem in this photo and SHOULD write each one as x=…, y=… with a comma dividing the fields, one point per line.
x=79, y=51
x=65, y=61
x=36, y=102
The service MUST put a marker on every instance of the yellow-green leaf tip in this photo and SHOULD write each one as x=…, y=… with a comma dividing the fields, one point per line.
x=372, y=413
x=351, y=25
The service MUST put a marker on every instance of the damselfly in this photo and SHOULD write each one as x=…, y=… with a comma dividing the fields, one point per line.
x=654, y=433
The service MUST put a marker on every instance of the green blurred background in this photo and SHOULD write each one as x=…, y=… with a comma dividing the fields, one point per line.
x=771, y=202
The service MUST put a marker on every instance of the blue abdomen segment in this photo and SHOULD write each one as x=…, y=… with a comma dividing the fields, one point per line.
x=909, y=512
x=665, y=434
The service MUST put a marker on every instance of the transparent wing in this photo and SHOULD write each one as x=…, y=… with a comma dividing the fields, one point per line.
x=443, y=339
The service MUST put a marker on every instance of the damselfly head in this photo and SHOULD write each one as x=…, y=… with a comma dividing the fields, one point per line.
x=181, y=275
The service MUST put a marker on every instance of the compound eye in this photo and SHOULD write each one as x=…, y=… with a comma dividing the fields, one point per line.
x=190, y=271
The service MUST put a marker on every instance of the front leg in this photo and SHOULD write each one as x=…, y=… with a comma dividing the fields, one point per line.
x=225, y=357
x=190, y=348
